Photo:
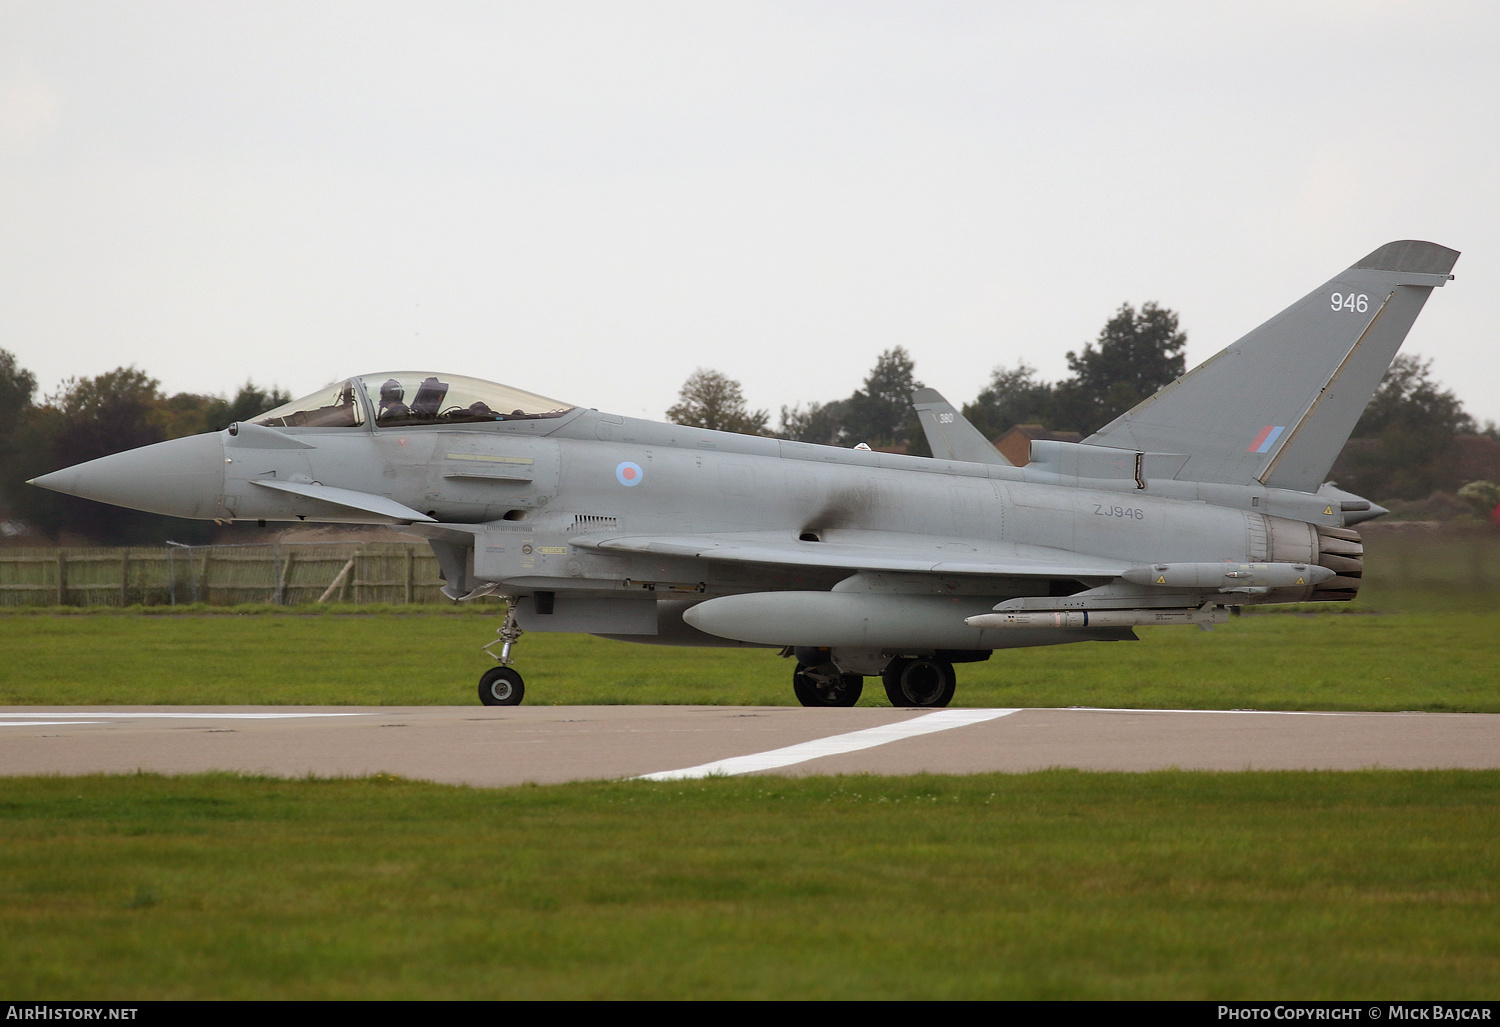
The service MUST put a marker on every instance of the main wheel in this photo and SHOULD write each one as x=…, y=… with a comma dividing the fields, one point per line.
x=826, y=686
x=921, y=682
x=501, y=686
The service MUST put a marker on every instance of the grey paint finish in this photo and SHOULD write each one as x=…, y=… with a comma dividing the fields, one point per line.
x=1312, y=445
x=1412, y=256
x=1308, y=371
x=949, y=434
x=864, y=620
x=679, y=535
x=181, y=478
x=635, y=615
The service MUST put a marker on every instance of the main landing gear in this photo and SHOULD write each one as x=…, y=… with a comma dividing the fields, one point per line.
x=823, y=685
x=920, y=682
x=502, y=685
x=923, y=682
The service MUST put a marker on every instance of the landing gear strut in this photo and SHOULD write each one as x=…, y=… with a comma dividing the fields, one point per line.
x=823, y=685
x=921, y=682
x=502, y=685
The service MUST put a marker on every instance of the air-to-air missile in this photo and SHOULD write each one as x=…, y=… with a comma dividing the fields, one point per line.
x=1209, y=495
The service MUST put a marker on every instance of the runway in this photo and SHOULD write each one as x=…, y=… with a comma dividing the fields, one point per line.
x=501, y=746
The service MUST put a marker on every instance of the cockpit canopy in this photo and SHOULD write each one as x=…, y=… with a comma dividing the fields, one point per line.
x=412, y=398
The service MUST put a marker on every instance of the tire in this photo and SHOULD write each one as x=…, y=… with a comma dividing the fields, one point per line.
x=501, y=686
x=826, y=688
x=924, y=683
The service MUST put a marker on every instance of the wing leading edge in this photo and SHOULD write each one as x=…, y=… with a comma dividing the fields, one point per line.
x=869, y=551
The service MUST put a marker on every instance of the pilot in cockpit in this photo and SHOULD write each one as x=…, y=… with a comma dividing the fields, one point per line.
x=392, y=407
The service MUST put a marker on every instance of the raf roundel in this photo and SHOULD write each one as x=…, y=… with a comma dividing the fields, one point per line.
x=629, y=473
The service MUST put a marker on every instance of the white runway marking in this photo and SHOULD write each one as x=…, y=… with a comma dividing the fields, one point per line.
x=44, y=723
x=833, y=745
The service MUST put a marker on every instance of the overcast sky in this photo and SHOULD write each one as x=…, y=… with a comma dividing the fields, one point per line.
x=590, y=200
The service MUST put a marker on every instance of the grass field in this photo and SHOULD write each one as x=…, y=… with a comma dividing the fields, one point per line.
x=1052, y=885
x=1439, y=661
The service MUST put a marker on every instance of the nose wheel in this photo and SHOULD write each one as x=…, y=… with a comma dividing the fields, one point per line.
x=502, y=685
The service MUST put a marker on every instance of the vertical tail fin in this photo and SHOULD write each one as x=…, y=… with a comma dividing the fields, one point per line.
x=949, y=433
x=1278, y=405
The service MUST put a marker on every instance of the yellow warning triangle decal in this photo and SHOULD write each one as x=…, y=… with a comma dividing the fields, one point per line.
x=1300, y=581
x=1328, y=509
x=1160, y=580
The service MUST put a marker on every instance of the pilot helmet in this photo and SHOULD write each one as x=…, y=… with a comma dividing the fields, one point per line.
x=392, y=392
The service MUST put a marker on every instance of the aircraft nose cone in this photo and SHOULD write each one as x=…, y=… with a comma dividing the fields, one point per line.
x=181, y=478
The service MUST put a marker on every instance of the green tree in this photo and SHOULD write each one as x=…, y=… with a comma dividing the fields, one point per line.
x=1409, y=425
x=713, y=400
x=1136, y=354
x=1483, y=496
x=116, y=411
x=1409, y=399
x=17, y=386
x=1014, y=396
x=93, y=417
x=881, y=413
x=189, y=413
x=820, y=423
x=250, y=401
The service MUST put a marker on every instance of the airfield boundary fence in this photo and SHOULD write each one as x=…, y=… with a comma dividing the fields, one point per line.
x=282, y=574
x=1398, y=560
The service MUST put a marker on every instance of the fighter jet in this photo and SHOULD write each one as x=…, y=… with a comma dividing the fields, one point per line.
x=1207, y=496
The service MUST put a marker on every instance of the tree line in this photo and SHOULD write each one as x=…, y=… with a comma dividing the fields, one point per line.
x=1404, y=446
x=88, y=418
x=1137, y=353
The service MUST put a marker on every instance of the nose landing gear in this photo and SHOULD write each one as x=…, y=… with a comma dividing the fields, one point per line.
x=502, y=685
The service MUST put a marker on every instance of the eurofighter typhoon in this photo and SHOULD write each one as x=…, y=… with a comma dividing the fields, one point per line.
x=1208, y=495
